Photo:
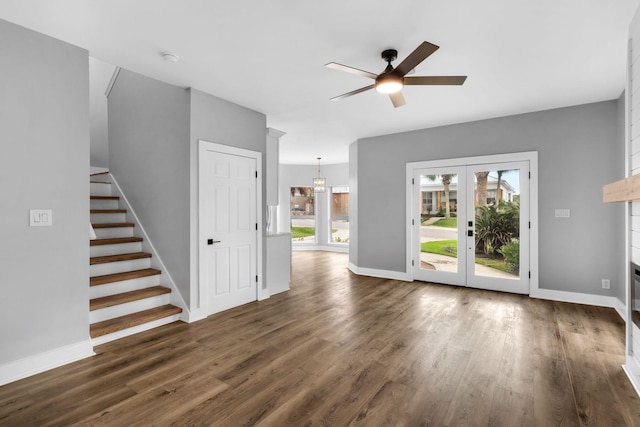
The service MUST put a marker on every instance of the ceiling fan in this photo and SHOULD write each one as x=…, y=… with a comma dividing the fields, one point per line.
x=392, y=80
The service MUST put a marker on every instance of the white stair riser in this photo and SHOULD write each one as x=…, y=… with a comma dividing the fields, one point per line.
x=128, y=308
x=119, y=267
x=100, y=189
x=120, y=248
x=103, y=204
x=110, y=217
x=123, y=286
x=109, y=233
x=140, y=328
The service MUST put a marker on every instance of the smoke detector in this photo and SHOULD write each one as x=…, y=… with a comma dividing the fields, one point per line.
x=170, y=57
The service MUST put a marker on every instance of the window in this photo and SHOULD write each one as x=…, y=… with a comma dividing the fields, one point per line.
x=303, y=218
x=339, y=215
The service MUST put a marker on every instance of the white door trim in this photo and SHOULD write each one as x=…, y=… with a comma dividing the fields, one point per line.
x=530, y=156
x=226, y=149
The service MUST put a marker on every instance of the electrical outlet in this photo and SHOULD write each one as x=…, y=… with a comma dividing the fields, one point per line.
x=606, y=284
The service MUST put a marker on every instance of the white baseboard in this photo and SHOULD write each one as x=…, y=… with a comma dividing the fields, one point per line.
x=196, y=315
x=327, y=248
x=620, y=308
x=31, y=365
x=580, y=298
x=263, y=294
x=632, y=369
x=383, y=274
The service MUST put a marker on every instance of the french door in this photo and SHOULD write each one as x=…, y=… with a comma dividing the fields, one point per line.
x=471, y=225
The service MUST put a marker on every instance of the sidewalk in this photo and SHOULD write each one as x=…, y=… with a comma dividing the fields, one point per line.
x=446, y=263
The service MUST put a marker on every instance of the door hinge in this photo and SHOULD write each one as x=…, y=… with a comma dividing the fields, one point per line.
x=529, y=224
x=529, y=174
x=256, y=174
x=256, y=278
x=256, y=225
x=529, y=275
x=412, y=223
x=413, y=181
x=412, y=263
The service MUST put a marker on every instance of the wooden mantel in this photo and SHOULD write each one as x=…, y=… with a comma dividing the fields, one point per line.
x=625, y=190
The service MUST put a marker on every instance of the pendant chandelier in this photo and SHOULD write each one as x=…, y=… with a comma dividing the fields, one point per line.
x=319, y=183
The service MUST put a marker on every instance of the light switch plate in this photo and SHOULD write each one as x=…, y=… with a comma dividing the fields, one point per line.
x=563, y=213
x=40, y=217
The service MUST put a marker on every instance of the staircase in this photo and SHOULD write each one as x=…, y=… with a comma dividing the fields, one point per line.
x=126, y=294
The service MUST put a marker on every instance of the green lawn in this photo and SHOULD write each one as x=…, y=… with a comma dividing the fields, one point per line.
x=298, y=232
x=450, y=248
x=449, y=223
x=441, y=247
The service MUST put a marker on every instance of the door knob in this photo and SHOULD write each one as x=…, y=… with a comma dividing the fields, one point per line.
x=211, y=241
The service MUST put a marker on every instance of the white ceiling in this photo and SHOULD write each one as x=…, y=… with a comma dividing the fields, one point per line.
x=520, y=56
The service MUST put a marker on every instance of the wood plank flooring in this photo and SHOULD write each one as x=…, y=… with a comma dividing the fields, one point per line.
x=344, y=350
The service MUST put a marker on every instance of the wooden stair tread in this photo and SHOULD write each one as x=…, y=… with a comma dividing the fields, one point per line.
x=119, y=277
x=100, y=182
x=125, y=297
x=113, y=225
x=98, y=173
x=104, y=197
x=124, y=322
x=119, y=257
x=114, y=241
x=107, y=211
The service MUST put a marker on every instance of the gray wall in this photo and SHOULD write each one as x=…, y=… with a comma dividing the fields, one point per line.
x=149, y=158
x=215, y=120
x=354, y=228
x=579, y=151
x=44, y=132
x=302, y=176
x=154, y=128
x=100, y=74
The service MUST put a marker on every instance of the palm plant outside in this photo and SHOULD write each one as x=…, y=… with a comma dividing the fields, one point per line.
x=446, y=180
x=496, y=226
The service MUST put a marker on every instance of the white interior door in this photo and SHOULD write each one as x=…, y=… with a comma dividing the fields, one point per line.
x=458, y=242
x=228, y=229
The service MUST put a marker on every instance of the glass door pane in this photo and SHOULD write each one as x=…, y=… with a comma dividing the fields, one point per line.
x=339, y=215
x=303, y=218
x=497, y=226
x=439, y=225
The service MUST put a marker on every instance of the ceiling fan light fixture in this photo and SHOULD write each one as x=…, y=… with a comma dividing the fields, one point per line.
x=389, y=83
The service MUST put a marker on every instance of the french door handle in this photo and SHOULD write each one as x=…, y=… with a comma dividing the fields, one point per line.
x=211, y=241
x=470, y=233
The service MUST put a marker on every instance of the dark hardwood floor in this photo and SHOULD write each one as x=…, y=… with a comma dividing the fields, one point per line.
x=339, y=349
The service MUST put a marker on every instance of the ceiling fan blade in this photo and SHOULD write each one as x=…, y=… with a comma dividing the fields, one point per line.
x=351, y=70
x=397, y=98
x=353, y=92
x=434, y=80
x=417, y=56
